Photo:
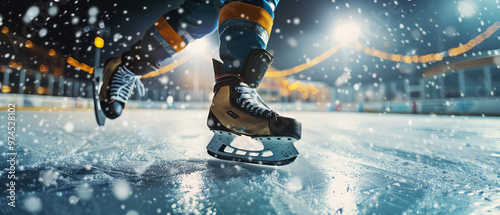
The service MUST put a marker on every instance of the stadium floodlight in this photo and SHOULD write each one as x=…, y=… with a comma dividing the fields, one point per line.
x=467, y=8
x=347, y=32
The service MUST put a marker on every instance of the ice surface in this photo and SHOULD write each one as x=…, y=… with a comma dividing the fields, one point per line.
x=155, y=162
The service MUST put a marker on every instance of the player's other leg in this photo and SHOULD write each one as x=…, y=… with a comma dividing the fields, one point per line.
x=170, y=34
x=237, y=109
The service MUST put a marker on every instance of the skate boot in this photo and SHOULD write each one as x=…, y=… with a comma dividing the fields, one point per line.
x=239, y=117
x=121, y=76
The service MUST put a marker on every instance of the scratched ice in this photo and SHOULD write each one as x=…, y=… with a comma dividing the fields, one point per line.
x=155, y=162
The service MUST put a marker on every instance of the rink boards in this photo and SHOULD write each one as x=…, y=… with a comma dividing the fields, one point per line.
x=473, y=106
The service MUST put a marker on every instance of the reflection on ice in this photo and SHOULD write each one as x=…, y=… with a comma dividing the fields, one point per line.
x=434, y=164
x=190, y=199
x=341, y=194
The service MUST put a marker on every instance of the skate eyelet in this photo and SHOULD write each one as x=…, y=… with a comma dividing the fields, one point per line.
x=238, y=101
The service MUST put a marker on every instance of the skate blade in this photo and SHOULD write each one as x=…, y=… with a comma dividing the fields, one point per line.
x=97, y=83
x=277, y=151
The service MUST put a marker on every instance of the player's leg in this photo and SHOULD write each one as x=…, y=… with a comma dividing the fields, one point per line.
x=170, y=34
x=245, y=27
x=173, y=31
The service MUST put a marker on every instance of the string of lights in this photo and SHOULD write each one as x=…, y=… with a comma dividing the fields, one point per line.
x=169, y=67
x=310, y=88
x=301, y=87
x=273, y=73
x=390, y=56
x=307, y=65
x=84, y=67
x=431, y=57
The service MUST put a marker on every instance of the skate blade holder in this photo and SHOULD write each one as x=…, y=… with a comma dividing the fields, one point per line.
x=261, y=150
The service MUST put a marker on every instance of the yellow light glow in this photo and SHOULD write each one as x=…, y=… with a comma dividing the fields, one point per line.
x=71, y=61
x=169, y=67
x=99, y=42
x=304, y=66
x=438, y=57
x=52, y=52
x=28, y=44
x=285, y=83
x=358, y=46
x=57, y=72
x=2, y=69
x=43, y=68
x=86, y=68
x=41, y=90
x=407, y=59
x=414, y=59
x=5, y=30
x=6, y=89
x=15, y=65
x=314, y=91
x=294, y=86
x=302, y=88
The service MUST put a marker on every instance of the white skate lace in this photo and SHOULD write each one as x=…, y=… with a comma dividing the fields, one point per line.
x=123, y=84
x=251, y=101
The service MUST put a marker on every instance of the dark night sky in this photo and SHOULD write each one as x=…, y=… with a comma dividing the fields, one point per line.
x=303, y=29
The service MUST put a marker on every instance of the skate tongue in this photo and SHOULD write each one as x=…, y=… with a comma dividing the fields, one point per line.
x=247, y=143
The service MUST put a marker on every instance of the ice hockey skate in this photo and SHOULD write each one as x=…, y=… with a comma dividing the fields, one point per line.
x=120, y=77
x=237, y=111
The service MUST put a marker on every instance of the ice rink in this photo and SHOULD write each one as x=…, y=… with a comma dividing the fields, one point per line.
x=155, y=162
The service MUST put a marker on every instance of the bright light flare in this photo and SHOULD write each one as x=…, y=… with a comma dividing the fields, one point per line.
x=467, y=8
x=199, y=46
x=347, y=32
